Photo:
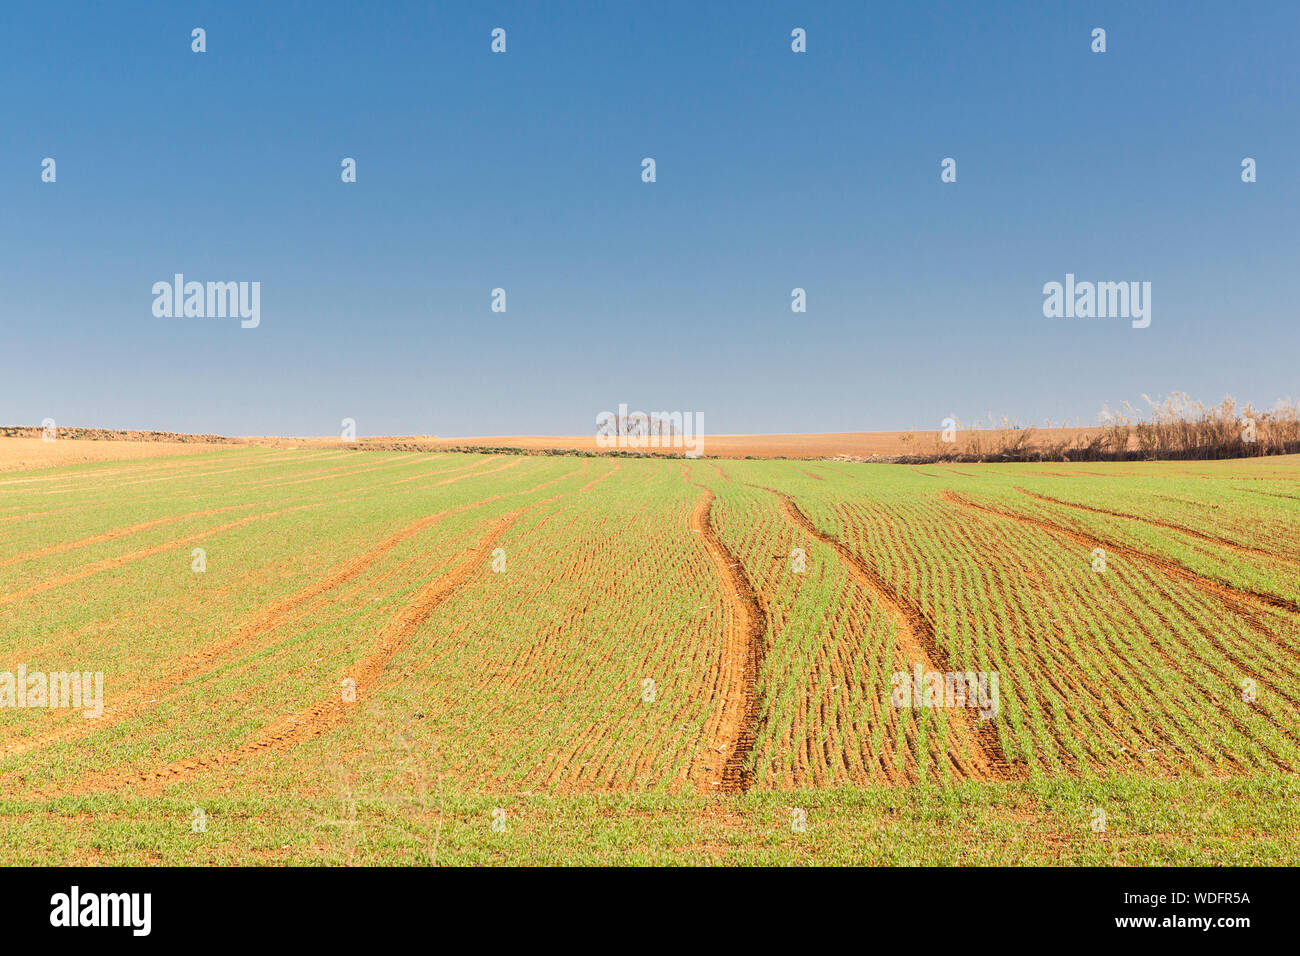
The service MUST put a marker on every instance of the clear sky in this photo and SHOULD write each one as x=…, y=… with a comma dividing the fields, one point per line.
x=522, y=170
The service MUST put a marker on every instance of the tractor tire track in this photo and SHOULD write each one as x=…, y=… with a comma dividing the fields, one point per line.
x=322, y=716
x=116, y=533
x=917, y=640
x=1169, y=525
x=1239, y=599
x=200, y=662
x=721, y=766
x=110, y=563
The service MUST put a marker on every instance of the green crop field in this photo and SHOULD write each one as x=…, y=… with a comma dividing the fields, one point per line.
x=332, y=656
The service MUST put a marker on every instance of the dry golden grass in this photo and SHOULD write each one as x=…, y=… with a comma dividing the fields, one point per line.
x=1172, y=428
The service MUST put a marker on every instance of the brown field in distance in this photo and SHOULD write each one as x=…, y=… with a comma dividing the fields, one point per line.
x=23, y=454
x=29, y=451
x=1173, y=428
x=812, y=446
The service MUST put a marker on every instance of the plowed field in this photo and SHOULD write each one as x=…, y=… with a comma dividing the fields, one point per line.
x=334, y=656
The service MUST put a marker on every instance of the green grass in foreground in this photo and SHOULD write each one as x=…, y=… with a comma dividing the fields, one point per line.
x=1197, y=822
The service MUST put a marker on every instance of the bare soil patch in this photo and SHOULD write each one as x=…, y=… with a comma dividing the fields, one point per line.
x=22, y=454
x=848, y=446
x=731, y=730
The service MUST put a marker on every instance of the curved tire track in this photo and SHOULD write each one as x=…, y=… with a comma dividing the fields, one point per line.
x=200, y=662
x=722, y=766
x=317, y=719
x=320, y=717
x=1169, y=525
x=917, y=640
x=1239, y=599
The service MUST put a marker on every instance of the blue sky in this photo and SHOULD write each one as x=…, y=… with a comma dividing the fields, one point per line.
x=522, y=171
